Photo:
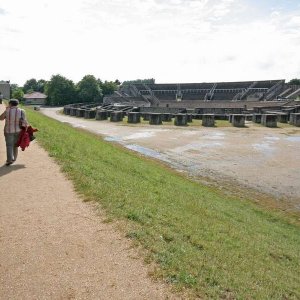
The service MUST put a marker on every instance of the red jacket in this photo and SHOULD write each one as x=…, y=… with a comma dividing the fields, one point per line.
x=25, y=137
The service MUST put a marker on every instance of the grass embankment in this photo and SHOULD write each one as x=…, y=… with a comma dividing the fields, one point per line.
x=215, y=245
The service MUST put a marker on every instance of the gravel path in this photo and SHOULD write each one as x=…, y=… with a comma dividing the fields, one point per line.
x=54, y=246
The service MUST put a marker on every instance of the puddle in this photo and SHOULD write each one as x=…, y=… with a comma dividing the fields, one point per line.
x=139, y=135
x=147, y=152
x=196, y=146
x=272, y=138
x=293, y=138
x=264, y=147
x=216, y=137
x=113, y=139
x=190, y=133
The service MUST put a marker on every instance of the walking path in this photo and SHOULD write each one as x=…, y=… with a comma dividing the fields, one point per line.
x=54, y=246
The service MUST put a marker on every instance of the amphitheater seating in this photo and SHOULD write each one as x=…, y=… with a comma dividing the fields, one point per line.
x=166, y=93
x=190, y=96
x=265, y=84
x=155, y=87
x=222, y=95
x=233, y=85
x=200, y=86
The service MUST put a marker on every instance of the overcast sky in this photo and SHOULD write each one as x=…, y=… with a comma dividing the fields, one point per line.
x=169, y=40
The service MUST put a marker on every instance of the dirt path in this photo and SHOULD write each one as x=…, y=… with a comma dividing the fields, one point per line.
x=54, y=246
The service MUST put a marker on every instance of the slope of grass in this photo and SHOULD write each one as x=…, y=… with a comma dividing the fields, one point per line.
x=215, y=245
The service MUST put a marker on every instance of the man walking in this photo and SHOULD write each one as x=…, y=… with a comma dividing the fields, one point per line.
x=14, y=119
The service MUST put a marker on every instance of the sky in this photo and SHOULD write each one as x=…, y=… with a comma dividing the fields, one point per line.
x=169, y=40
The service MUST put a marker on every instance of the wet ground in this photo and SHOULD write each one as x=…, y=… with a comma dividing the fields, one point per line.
x=263, y=159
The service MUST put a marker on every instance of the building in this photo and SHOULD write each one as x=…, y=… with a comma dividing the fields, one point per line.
x=35, y=98
x=5, y=89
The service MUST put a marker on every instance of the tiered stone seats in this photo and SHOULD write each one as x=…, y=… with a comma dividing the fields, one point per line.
x=265, y=84
x=224, y=95
x=165, y=94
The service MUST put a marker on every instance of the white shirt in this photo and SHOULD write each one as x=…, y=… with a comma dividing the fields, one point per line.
x=12, y=119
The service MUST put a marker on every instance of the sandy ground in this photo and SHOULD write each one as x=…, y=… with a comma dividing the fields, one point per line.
x=54, y=246
x=266, y=160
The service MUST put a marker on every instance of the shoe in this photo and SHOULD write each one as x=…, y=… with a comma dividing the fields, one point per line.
x=8, y=163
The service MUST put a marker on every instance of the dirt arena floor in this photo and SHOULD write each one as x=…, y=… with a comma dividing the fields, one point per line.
x=260, y=160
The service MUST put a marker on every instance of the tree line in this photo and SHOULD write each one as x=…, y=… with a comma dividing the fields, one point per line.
x=61, y=90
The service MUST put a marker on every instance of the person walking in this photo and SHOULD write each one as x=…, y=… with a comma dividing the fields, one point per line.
x=15, y=119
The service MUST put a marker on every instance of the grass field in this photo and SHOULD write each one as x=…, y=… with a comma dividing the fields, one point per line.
x=215, y=246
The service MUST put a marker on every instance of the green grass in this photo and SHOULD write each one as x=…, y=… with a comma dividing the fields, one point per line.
x=215, y=246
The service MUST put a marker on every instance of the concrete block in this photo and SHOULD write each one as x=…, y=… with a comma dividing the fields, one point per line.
x=134, y=117
x=101, y=115
x=155, y=119
x=295, y=119
x=269, y=120
x=208, y=120
x=116, y=116
x=238, y=120
x=180, y=120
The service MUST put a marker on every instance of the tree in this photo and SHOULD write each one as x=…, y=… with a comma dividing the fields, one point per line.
x=41, y=85
x=18, y=93
x=30, y=85
x=88, y=89
x=117, y=82
x=108, y=87
x=294, y=81
x=60, y=91
x=145, y=81
x=13, y=87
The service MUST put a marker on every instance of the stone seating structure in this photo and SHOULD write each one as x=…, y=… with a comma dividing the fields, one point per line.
x=236, y=111
x=295, y=119
x=269, y=120
x=238, y=120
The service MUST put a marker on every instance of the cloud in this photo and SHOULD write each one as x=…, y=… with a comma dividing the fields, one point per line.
x=2, y=11
x=171, y=40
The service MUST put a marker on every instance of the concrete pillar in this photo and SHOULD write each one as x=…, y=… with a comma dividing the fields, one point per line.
x=101, y=115
x=282, y=118
x=155, y=119
x=80, y=113
x=67, y=110
x=134, y=117
x=180, y=120
x=238, y=120
x=269, y=120
x=295, y=119
x=73, y=111
x=189, y=118
x=256, y=118
x=166, y=117
x=116, y=116
x=208, y=120
x=89, y=114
